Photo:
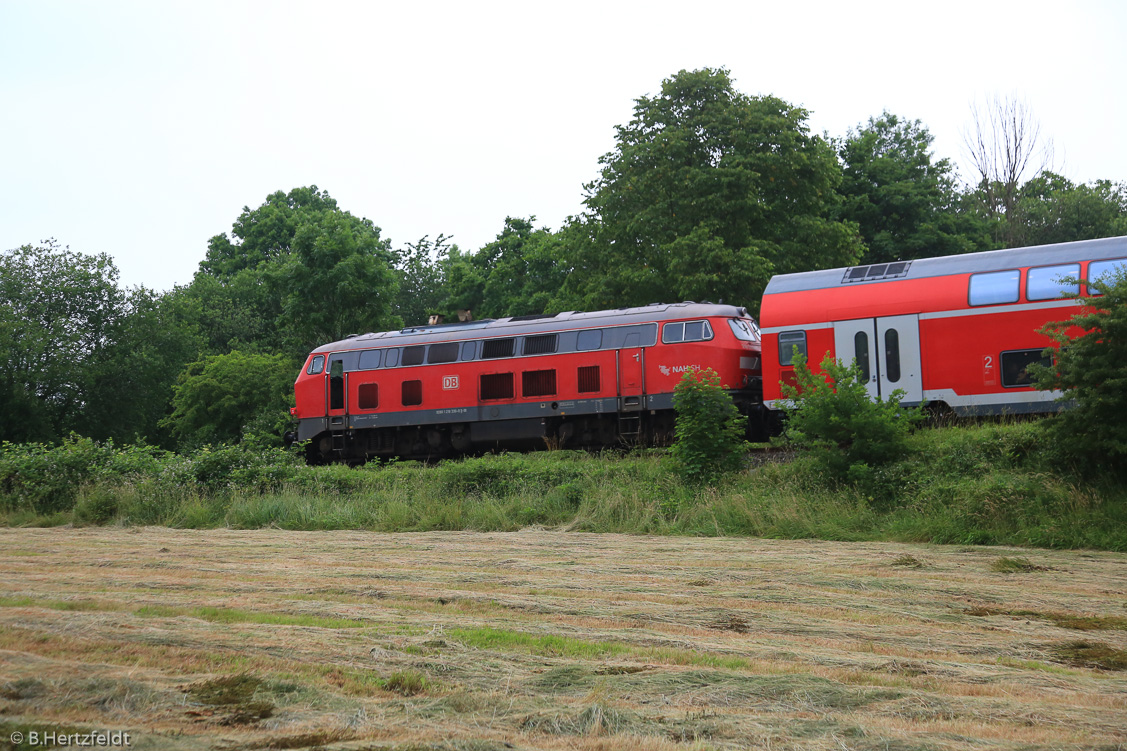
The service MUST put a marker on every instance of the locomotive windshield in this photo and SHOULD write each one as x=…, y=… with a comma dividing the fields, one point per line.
x=744, y=329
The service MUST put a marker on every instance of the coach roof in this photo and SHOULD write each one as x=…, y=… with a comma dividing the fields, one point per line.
x=530, y=325
x=968, y=263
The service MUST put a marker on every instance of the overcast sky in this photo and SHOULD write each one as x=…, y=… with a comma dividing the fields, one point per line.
x=142, y=129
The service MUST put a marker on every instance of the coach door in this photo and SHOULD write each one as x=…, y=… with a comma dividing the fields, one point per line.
x=856, y=340
x=887, y=351
x=898, y=338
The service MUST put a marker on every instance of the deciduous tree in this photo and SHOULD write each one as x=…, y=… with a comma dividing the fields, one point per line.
x=709, y=180
x=217, y=396
x=57, y=312
x=1004, y=145
x=903, y=199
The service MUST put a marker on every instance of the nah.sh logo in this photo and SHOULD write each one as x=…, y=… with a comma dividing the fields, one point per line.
x=666, y=370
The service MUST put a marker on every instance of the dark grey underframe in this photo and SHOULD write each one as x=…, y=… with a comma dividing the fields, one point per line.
x=483, y=413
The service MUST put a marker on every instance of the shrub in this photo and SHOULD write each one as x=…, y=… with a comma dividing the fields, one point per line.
x=849, y=434
x=709, y=430
x=1091, y=369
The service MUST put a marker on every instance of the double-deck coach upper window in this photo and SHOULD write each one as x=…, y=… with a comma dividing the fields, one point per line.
x=1046, y=282
x=995, y=288
x=1105, y=271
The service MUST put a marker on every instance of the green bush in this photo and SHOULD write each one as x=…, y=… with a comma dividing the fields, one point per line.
x=709, y=430
x=48, y=479
x=1090, y=351
x=849, y=434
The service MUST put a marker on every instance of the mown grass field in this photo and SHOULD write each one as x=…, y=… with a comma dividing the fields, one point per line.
x=271, y=639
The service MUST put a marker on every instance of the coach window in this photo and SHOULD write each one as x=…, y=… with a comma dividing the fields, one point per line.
x=1015, y=367
x=861, y=353
x=317, y=365
x=994, y=288
x=369, y=359
x=1104, y=271
x=744, y=330
x=412, y=393
x=892, y=355
x=790, y=343
x=589, y=340
x=1046, y=283
x=445, y=352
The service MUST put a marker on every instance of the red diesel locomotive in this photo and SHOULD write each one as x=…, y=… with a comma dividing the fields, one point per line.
x=956, y=331
x=571, y=379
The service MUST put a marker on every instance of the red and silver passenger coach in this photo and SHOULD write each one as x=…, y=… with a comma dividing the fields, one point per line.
x=956, y=331
x=574, y=379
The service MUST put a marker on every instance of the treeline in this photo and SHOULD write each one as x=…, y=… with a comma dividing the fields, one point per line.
x=707, y=193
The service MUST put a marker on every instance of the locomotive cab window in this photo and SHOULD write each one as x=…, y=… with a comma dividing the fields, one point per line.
x=391, y=359
x=413, y=355
x=469, y=351
x=688, y=331
x=791, y=342
x=1015, y=367
x=1104, y=271
x=994, y=288
x=744, y=330
x=317, y=365
x=1047, y=282
x=336, y=383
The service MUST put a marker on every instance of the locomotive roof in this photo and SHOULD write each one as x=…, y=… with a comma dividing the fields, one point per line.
x=990, y=260
x=524, y=325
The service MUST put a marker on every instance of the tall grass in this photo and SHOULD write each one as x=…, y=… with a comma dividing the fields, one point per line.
x=992, y=484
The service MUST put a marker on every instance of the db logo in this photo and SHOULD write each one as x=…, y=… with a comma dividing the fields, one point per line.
x=449, y=383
